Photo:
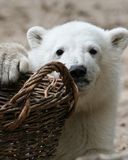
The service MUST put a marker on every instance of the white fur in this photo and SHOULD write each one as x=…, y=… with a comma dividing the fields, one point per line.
x=13, y=60
x=91, y=128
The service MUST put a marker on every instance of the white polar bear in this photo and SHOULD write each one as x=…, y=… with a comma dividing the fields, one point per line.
x=92, y=56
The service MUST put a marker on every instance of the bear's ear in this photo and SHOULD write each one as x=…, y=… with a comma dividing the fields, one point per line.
x=35, y=36
x=119, y=37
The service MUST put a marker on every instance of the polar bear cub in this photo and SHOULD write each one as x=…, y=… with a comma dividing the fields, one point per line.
x=93, y=57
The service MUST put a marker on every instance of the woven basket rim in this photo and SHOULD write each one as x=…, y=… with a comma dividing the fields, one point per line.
x=31, y=83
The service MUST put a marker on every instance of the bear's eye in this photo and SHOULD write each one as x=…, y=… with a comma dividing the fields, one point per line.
x=59, y=52
x=92, y=51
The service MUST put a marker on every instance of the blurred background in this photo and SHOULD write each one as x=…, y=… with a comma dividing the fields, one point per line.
x=16, y=16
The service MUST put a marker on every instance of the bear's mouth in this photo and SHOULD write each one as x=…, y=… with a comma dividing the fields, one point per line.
x=81, y=83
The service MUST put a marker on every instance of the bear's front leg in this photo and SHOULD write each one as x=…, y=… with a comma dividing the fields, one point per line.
x=13, y=61
x=100, y=130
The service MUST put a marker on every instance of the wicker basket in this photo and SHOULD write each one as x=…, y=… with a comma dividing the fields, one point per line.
x=32, y=118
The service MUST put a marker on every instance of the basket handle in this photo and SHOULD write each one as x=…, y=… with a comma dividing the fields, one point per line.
x=31, y=84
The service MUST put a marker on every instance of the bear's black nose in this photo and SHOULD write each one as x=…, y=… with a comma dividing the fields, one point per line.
x=78, y=71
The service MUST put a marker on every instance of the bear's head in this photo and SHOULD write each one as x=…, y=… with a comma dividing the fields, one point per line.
x=90, y=53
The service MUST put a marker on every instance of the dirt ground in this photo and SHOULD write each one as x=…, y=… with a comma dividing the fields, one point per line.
x=16, y=16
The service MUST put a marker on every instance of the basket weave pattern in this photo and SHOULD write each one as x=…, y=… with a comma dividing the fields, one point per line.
x=31, y=120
